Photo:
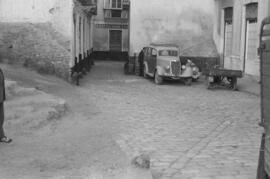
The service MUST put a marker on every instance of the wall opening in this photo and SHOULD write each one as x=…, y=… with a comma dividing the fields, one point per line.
x=228, y=36
x=251, y=39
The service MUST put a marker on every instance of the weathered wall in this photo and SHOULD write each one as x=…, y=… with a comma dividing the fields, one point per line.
x=100, y=14
x=58, y=12
x=37, y=33
x=61, y=16
x=186, y=23
x=25, y=10
x=237, y=58
x=101, y=39
x=35, y=45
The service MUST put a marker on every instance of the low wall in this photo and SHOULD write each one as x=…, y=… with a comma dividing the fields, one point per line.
x=37, y=46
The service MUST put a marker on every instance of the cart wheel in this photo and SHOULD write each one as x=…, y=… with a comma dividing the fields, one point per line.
x=234, y=84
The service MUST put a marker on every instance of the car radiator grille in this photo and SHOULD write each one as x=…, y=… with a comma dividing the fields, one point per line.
x=175, y=68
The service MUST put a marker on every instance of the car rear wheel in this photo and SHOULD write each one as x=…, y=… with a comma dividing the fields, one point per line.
x=158, y=79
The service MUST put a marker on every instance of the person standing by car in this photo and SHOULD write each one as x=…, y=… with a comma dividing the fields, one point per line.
x=141, y=57
x=3, y=138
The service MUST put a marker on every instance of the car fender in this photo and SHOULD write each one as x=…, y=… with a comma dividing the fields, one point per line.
x=160, y=70
x=146, y=67
x=187, y=72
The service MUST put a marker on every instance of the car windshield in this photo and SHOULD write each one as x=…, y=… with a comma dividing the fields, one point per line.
x=173, y=53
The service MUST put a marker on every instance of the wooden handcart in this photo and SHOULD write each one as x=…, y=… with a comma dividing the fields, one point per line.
x=221, y=77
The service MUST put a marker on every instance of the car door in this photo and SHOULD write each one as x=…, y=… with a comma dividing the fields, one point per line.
x=152, y=60
x=146, y=58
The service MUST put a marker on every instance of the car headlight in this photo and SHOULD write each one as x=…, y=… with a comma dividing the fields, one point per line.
x=183, y=67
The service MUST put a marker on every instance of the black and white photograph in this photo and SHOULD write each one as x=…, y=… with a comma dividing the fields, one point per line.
x=135, y=89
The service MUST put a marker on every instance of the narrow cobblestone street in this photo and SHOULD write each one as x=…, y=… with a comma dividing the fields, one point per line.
x=188, y=131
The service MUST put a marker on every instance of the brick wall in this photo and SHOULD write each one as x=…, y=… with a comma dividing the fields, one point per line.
x=36, y=45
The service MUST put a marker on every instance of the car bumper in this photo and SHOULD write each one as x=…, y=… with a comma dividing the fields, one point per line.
x=196, y=76
x=174, y=77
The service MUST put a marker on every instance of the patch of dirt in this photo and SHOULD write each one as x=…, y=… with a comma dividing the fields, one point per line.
x=29, y=108
x=57, y=132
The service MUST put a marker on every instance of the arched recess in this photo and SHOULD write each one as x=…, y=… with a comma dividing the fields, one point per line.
x=251, y=39
x=228, y=35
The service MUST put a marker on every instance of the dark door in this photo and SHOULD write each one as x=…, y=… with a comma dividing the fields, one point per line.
x=152, y=60
x=264, y=51
x=116, y=40
x=147, y=58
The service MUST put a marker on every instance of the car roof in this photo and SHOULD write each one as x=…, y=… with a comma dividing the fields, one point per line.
x=164, y=46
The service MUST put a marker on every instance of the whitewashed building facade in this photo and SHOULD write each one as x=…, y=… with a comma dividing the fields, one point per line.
x=236, y=33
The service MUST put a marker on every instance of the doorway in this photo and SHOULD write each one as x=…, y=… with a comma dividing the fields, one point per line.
x=228, y=36
x=115, y=40
x=251, y=39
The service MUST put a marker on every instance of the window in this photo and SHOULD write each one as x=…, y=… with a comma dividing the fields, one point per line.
x=117, y=4
x=154, y=52
x=113, y=4
x=149, y=51
x=171, y=53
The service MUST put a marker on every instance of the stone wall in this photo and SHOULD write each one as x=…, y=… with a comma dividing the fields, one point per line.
x=38, y=34
x=36, y=45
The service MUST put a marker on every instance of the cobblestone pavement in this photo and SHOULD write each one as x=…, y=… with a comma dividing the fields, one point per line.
x=188, y=131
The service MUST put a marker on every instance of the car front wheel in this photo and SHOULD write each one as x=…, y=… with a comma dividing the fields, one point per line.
x=144, y=72
x=158, y=79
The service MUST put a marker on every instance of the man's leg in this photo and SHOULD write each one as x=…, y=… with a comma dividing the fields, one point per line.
x=2, y=134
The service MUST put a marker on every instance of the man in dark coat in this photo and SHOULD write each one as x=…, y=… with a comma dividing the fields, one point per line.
x=3, y=138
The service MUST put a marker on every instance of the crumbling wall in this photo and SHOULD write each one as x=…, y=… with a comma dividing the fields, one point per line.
x=35, y=45
x=38, y=34
x=188, y=24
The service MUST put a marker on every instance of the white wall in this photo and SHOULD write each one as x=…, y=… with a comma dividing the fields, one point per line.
x=167, y=20
x=58, y=12
x=25, y=10
x=61, y=16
